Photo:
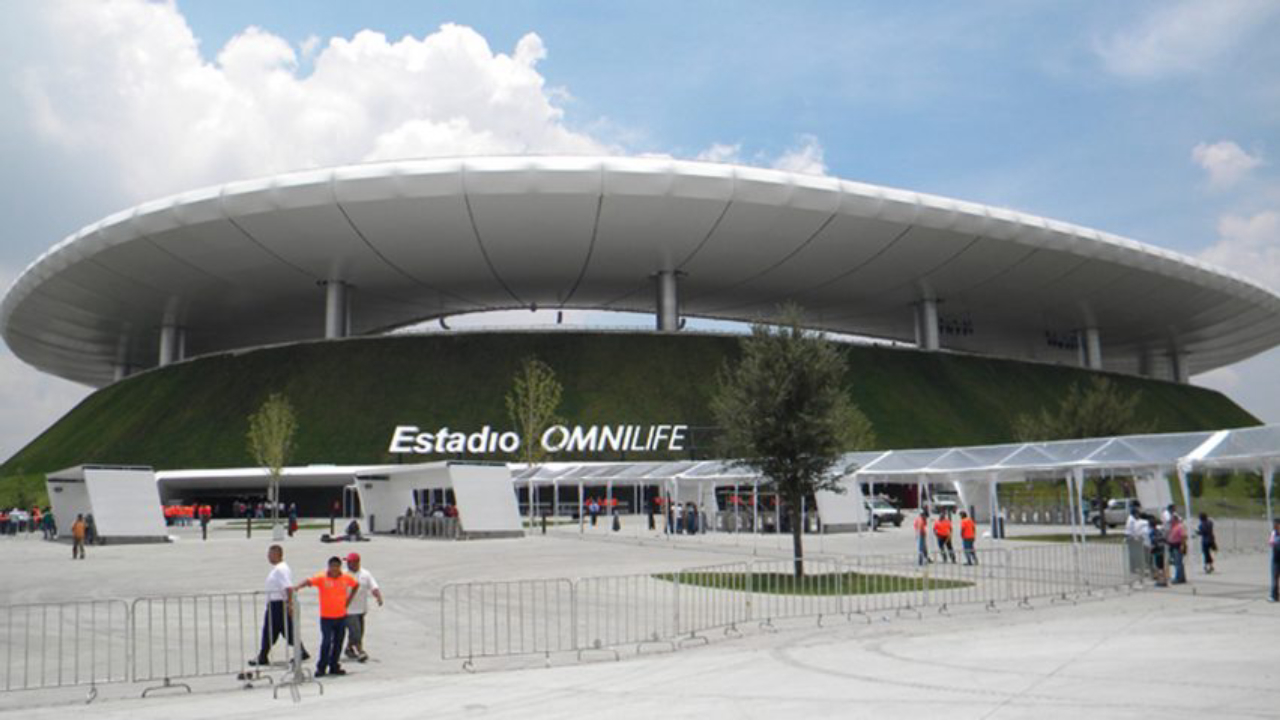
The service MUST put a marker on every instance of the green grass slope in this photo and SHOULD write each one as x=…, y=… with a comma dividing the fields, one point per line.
x=349, y=395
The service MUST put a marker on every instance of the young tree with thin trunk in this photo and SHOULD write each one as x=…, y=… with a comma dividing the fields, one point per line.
x=271, y=434
x=532, y=403
x=785, y=413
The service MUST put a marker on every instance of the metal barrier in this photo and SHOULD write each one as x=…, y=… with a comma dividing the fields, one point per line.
x=76, y=643
x=189, y=636
x=492, y=619
x=621, y=610
x=435, y=528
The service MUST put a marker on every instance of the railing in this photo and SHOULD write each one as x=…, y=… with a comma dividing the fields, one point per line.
x=65, y=644
x=436, y=528
x=190, y=636
x=543, y=617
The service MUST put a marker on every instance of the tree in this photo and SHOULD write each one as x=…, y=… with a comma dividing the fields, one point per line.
x=1099, y=410
x=785, y=414
x=532, y=404
x=271, y=432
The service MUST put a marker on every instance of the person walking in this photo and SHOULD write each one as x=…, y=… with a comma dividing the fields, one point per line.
x=358, y=610
x=79, y=529
x=1176, y=540
x=337, y=589
x=1275, y=560
x=278, y=619
x=50, y=526
x=1208, y=541
x=968, y=536
x=942, y=533
x=921, y=526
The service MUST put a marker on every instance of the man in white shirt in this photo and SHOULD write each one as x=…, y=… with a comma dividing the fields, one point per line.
x=359, y=607
x=278, y=619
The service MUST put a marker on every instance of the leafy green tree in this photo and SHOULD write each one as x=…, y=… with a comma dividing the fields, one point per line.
x=532, y=403
x=1100, y=409
x=785, y=413
x=271, y=436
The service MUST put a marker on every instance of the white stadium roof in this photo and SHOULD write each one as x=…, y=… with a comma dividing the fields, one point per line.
x=244, y=264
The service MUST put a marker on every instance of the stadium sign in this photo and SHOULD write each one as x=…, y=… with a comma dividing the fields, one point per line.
x=410, y=439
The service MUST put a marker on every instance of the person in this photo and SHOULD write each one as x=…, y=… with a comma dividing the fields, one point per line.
x=337, y=589
x=1156, y=543
x=50, y=526
x=1275, y=560
x=359, y=608
x=37, y=519
x=942, y=533
x=78, y=532
x=922, y=537
x=1136, y=532
x=1176, y=540
x=593, y=508
x=90, y=530
x=1167, y=516
x=690, y=519
x=278, y=619
x=353, y=531
x=968, y=535
x=1208, y=541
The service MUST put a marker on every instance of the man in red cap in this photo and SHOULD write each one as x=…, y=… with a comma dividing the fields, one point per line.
x=359, y=607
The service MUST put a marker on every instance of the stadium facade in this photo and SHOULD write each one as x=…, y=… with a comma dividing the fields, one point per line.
x=365, y=249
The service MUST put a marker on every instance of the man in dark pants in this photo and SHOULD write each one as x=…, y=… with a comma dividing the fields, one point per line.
x=1275, y=560
x=278, y=619
x=336, y=589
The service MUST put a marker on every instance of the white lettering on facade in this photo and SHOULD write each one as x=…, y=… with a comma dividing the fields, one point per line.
x=581, y=439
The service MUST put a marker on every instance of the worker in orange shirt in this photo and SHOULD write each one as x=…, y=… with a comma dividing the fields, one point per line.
x=922, y=537
x=968, y=534
x=942, y=531
x=337, y=589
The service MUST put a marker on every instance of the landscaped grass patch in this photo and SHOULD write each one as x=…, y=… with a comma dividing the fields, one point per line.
x=1112, y=537
x=846, y=583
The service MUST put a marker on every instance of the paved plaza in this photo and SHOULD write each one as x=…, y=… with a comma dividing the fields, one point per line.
x=1203, y=649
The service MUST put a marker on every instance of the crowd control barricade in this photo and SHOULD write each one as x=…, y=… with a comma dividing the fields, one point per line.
x=431, y=528
x=965, y=579
x=779, y=595
x=622, y=610
x=189, y=636
x=519, y=617
x=65, y=644
x=712, y=597
x=887, y=584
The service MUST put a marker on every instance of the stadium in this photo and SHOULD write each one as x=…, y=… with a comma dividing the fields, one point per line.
x=188, y=310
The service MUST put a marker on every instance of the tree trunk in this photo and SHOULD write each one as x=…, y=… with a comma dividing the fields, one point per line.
x=797, y=539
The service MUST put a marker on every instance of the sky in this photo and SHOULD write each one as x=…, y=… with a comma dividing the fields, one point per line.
x=1159, y=121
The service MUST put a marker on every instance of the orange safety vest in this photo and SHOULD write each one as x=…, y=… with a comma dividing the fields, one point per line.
x=942, y=528
x=968, y=529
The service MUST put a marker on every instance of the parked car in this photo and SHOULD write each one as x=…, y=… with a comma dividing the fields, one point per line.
x=883, y=512
x=941, y=503
x=1116, y=513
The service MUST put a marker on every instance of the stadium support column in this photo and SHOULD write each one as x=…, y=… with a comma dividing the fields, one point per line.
x=668, y=301
x=173, y=344
x=927, y=324
x=1091, y=344
x=337, y=315
x=1181, y=372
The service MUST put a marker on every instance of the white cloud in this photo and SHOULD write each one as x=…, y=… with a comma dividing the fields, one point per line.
x=806, y=158
x=1225, y=162
x=123, y=83
x=722, y=153
x=1183, y=37
x=1250, y=245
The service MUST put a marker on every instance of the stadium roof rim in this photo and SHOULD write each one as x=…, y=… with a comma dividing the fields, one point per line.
x=76, y=347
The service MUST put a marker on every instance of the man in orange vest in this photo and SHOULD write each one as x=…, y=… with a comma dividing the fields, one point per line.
x=968, y=533
x=942, y=530
x=337, y=589
x=922, y=537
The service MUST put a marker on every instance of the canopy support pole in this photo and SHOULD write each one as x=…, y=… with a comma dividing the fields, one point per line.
x=1268, y=479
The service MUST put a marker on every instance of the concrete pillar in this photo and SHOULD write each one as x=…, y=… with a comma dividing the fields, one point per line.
x=173, y=344
x=1181, y=372
x=337, y=319
x=1090, y=341
x=668, y=301
x=927, y=324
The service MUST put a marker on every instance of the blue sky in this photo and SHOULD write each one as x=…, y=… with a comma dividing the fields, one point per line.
x=1086, y=112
